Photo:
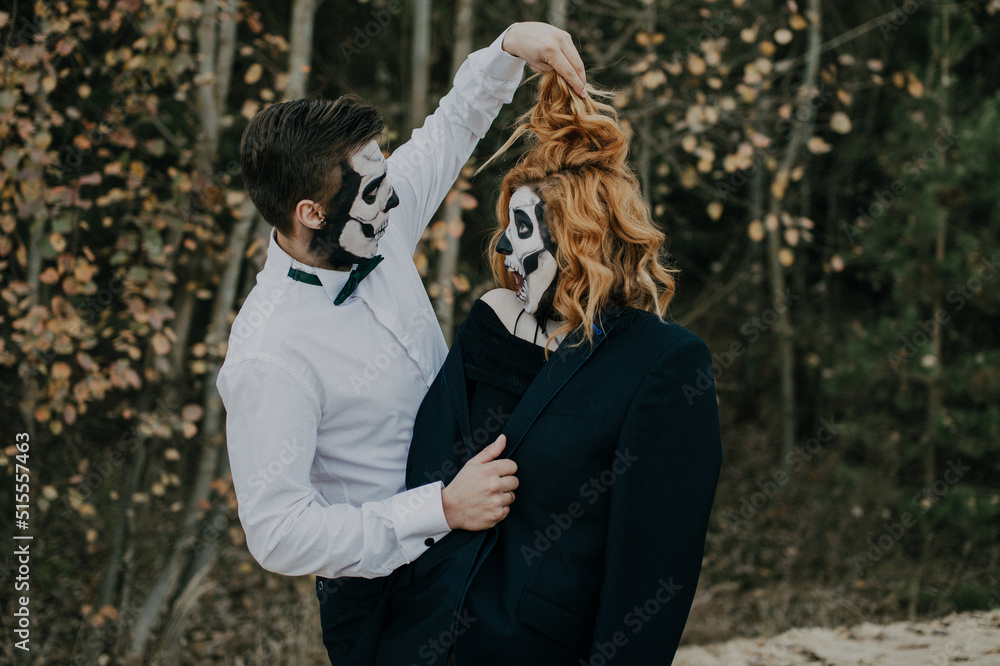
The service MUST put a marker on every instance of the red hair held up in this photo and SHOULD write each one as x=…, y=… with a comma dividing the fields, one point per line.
x=608, y=248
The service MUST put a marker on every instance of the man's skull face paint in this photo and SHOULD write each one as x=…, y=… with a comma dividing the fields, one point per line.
x=530, y=252
x=357, y=216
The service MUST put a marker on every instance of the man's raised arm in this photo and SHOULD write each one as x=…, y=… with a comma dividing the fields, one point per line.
x=424, y=168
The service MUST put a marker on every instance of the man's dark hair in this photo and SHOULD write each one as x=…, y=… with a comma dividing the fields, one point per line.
x=294, y=150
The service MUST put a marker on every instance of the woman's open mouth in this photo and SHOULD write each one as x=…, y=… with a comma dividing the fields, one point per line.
x=518, y=282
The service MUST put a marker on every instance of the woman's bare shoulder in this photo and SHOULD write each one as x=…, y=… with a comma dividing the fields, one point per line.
x=507, y=307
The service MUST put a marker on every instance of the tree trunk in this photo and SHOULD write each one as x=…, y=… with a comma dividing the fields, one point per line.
x=176, y=574
x=300, y=47
x=169, y=578
x=444, y=304
x=557, y=13
x=212, y=90
x=420, y=62
x=783, y=327
x=935, y=390
x=209, y=113
x=179, y=584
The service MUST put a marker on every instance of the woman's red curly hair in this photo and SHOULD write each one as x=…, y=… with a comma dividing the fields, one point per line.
x=608, y=248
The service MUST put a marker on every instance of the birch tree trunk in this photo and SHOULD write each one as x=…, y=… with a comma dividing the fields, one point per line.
x=420, y=63
x=935, y=390
x=558, y=12
x=300, y=47
x=783, y=327
x=217, y=44
x=444, y=304
x=179, y=583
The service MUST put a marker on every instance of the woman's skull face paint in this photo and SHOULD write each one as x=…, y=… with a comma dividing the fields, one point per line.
x=357, y=216
x=530, y=252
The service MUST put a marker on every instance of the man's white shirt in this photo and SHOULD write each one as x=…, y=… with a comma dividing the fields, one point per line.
x=321, y=398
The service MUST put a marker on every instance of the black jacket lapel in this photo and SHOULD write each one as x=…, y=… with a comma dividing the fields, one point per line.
x=553, y=376
x=454, y=383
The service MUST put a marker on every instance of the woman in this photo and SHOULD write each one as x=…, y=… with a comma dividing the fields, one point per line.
x=609, y=411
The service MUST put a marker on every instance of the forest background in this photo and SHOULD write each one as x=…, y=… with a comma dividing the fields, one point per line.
x=828, y=176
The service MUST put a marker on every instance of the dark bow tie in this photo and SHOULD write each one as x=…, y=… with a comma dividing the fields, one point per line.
x=357, y=275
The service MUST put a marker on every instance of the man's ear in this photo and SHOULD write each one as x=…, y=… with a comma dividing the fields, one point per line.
x=309, y=213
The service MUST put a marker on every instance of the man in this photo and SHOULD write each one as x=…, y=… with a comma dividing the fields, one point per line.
x=326, y=369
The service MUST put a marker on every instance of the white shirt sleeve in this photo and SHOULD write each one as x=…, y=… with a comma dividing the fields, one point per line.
x=424, y=168
x=271, y=430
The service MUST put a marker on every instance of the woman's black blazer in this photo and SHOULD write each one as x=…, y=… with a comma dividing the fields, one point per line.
x=618, y=453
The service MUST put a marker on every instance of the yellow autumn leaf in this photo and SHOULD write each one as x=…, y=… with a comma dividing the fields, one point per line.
x=420, y=259
x=840, y=123
x=696, y=65
x=192, y=412
x=771, y=222
x=797, y=22
x=161, y=345
x=818, y=146
x=779, y=185
x=714, y=210
x=654, y=78
x=836, y=263
x=688, y=177
x=689, y=143
x=49, y=276
x=792, y=237
x=756, y=231
x=253, y=74
x=751, y=75
x=783, y=35
x=786, y=257
x=914, y=86
x=250, y=108
x=57, y=242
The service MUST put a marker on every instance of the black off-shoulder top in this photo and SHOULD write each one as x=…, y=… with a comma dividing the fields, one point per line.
x=499, y=368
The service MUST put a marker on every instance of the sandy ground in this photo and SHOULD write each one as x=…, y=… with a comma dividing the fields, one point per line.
x=967, y=638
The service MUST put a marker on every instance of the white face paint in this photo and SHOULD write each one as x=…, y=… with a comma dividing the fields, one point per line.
x=529, y=251
x=359, y=213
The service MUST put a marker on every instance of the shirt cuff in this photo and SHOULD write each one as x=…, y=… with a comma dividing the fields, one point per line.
x=418, y=517
x=500, y=70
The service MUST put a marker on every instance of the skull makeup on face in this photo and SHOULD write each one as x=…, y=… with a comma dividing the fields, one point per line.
x=530, y=252
x=357, y=216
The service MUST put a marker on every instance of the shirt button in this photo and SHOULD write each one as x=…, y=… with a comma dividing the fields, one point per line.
x=429, y=541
